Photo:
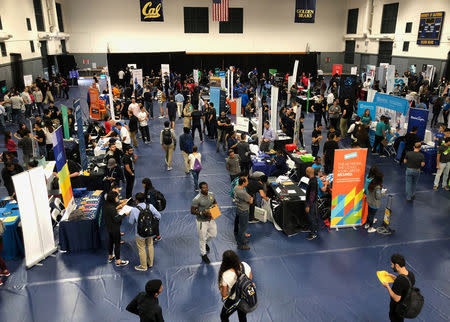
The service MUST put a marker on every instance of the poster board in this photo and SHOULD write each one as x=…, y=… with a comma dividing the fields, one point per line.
x=242, y=124
x=238, y=107
x=65, y=118
x=348, y=187
x=137, y=78
x=337, y=69
x=354, y=70
x=27, y=80
x=259, y=128
x=195, y=75
x=165, y=69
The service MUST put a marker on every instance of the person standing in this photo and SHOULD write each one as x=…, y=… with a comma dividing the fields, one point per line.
x=146, y=304
x=443, y=165
x=186, y=145
x=143, y=242
x=311, y=203
x=9, y=170
x=172, y=111
x=233, y=165
x=256, y=185
x=129, y=160
x=411, y=138
x=195, y=164
x=179, y=99
x=316, y=138
x=268, y=138
x=133, y=125
x=446, y=110
x=40, y=138
x=134, y=107
x=347, y=114
x=197, y=116
x=38, y=98
x=3, y=269
x=121, y=75
x=402, y=283
x=206, y=225
x=222, y=124
x=124, y=135
x=328, y=153
x=148, y=101
x=243, y=150
x=187, y=119
x=414, y=160
x=26, y=144
x=113, y=220
x=17, y=104
x=374, y=193
x=229, y=271
x=160, y=98
x=143, y=125
x=380, y=135
x=334, y=112
x=168, y=141
x=243, y=202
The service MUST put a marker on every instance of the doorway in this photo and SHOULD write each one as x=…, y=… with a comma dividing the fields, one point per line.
x=17, y=71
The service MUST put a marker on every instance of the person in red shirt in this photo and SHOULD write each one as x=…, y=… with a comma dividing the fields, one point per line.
x=107, y=123
x=10, y=144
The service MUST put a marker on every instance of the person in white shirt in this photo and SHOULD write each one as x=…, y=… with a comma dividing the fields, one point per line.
x=16, y=105
x=179, y=99
x=134, y=107
x=124, y=134
x=143, y=125
x=38, y=99
x=121, y=75
x=229, y=271
x=27, y=101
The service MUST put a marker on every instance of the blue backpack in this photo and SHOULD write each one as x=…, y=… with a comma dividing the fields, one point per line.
x=245, y=288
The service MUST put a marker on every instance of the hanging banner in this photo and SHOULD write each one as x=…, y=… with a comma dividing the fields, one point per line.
x=305, y=11
x=65, y=118
x=418, y=117
x=274, y=108
x=370, y=75
x=430, y=28
x=151, y=10
x=337, y=69
x=294, y=72
x=137, y=78
x=348, y=187
x=390, y=75
x=80, y=134
x=62, y=168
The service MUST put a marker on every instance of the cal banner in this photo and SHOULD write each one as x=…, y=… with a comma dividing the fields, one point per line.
x=348, y=187
x=80, y=134
x=62, y=169
x=418, y=117
x=305, y=11
x=152, y=10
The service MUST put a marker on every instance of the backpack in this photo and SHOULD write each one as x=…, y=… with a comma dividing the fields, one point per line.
x=167, y=137
x=412, y=304
x=158, y=200
x=197, y=165
x=147, y=223
x=245, y=292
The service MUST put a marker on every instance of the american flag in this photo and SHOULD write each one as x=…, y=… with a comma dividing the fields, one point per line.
x=220, y=10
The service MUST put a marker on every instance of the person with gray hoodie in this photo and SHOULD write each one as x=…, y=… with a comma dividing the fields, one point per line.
x=374, y=193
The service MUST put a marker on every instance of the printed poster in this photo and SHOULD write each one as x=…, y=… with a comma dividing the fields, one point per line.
x=348, y=187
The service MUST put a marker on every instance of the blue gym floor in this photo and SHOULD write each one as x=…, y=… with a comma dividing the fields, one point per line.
x=332, y=278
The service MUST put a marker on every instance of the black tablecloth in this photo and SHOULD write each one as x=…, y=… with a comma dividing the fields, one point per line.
x=82, y=234
x=281, y=142
x=288, y=209
x=299, y=165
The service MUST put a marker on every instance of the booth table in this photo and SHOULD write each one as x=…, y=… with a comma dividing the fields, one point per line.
x=281, y=141
x=288, y=207
x=263, y=163
x=9, y=214
x=83, y=234
x=299, y=164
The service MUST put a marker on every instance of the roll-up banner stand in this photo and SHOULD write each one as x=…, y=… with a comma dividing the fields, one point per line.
x=274, y=108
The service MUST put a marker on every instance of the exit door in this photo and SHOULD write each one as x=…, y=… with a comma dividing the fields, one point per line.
x=17, y=71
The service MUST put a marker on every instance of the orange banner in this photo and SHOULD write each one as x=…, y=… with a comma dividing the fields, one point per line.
x=348, y=187
x=94, y=110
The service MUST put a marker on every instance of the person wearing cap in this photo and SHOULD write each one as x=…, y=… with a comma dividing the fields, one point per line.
x=146, y=304
x=113, y=173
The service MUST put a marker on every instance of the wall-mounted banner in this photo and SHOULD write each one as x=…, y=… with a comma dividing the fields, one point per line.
x=305, y=11
x=348, y=187
x=152, y=10
x=418, y=117
x=430, y=28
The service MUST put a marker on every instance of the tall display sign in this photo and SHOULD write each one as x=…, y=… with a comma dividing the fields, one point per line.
x=80, y=134
x=297, y=125
x=274, y=108
x=65, y=118
x=305, y=11
x=259, y=128
x=418, y=117
x=111, y=104
x=348, y=187
x=165, y=69
x=390, y=75
x=195, y=74
x=62, y=169
x=94, y=104
x=137, y=78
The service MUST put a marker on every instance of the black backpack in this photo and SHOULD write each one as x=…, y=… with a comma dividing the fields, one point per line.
x=412, y=304
x=245, y=292
x=158, y=200
x=167, y=137
x=147, y=223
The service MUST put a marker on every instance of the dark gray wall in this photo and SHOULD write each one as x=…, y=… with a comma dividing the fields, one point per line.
x=100, y=59
x=30, y=67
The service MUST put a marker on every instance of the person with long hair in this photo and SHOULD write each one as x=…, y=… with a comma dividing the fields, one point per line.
x=11, y=146
x=229, y=271
x=373, y=200
x=113, y=221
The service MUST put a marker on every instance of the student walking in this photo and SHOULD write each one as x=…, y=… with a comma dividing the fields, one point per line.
x=316, y=138
x=168, y=141
x=146, y=304
x=243, y=202
x=229, y=271
x=195, y=164
x=138, y=219
x=206, y=225
x=414, y=160
x=197, y=116
x=186, y=145
x=311, y=203
x=113, y=221
x=151, y=198
x=143, y=125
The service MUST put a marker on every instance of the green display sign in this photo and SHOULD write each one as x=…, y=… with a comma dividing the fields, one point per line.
x=4, y=89
x=65, y=118
x=272, y=71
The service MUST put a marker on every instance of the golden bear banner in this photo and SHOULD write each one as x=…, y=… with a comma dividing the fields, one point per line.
x=305, y=11
x=152, y=10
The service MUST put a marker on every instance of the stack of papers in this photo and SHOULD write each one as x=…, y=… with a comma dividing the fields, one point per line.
x=125, y=210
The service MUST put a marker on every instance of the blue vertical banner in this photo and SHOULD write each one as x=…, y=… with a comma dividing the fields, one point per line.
x=62, y=168
x=214, y=97
x=305, y=11
x=80, y=133
x=418, y=117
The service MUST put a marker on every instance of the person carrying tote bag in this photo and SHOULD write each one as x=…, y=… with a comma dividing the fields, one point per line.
x=195, y=162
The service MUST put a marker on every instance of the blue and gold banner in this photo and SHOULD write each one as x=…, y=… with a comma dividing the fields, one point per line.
x=305, y=11
x=62, y=167
x=151, y=10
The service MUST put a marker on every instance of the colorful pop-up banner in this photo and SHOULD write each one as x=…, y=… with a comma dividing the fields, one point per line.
x=348, y=187
x=62, y=168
